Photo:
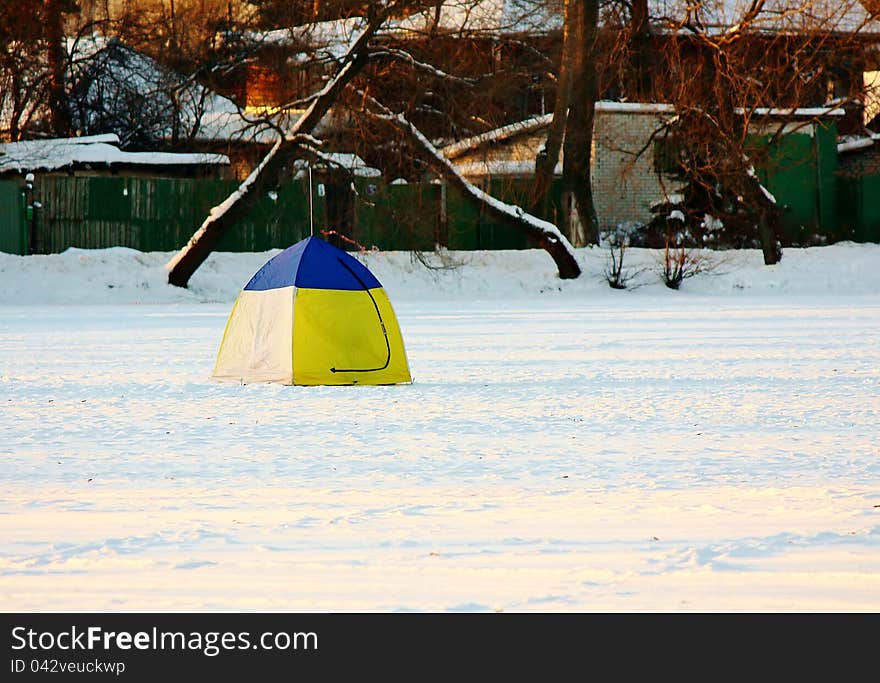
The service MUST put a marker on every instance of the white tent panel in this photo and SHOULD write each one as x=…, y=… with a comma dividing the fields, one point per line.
x=258, y=341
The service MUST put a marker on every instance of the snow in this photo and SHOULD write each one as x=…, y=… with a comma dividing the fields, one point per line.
x=127, y=75
x=222, y=120
x=564, y=446
x=350, y=162
x=725, y=16
x=635, y=107
x=58, y=153
x=529, y=125
x=850, y=143
x=329, y=39
x=499, y=167
x=798, y=112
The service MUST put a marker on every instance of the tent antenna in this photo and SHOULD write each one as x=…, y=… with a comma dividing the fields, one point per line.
x=311, y=212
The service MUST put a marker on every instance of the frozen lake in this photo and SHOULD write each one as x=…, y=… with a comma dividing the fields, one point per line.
x=650, y=453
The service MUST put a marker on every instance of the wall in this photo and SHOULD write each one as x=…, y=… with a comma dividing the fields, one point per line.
x=625, y=185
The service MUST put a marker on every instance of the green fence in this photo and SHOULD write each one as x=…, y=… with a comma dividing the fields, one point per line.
x=470, y=228
x=161, y=214
x=157, y=214
x=398, y=217
x=800, y=172
x=13, y=226
x=859, y=215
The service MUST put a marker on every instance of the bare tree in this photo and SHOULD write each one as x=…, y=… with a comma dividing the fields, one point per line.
x=724, y=68
x=57, y=61
x=548, y=155
x=298, y=141
x=542, y=232
x=287, y=147
x=571, y=129
x=33, y=62
x=578, y=143
x=23, y=78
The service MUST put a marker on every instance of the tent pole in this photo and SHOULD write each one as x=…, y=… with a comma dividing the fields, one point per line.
x=311, y=213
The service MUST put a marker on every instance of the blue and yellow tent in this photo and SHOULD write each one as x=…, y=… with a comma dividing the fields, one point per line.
x=313, y=314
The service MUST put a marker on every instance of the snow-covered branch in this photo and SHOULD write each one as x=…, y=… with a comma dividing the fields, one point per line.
x=389, y=53
x=297, y=142
x=544, y=233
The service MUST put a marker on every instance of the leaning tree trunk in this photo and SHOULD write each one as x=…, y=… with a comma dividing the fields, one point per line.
x=239, y=204
x=768, y=229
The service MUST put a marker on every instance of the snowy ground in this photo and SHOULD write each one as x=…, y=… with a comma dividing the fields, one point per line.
x=564, y=447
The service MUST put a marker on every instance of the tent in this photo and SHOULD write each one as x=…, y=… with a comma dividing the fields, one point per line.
x=313, y=314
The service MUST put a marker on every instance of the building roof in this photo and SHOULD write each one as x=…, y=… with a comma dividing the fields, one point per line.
x=101, y=150
x=203, y=115
x=331, y=39
x=537, y=123
x=719, y=16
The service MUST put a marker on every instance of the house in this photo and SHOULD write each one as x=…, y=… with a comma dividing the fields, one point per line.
x=630, y=174
x=627, y=165
x=797, y=54
x=511, y=41
x=96, y=155
x=118, y=91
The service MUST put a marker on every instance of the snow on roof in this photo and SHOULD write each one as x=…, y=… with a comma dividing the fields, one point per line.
x=501, y=167
x=53, y=154
x=352, y=162
x=497, y=135
x=526, y=16
x=205, y=114
x=109, y=138
x=223, y=121
x=635, y=107
x=535, y=123
x=797, y=112
x=494, y=16
x=329, y=39
x=851, y=143
x=718, y=16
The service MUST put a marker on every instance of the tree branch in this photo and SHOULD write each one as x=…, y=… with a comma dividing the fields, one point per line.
x=237, y=206
x=542, y=232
